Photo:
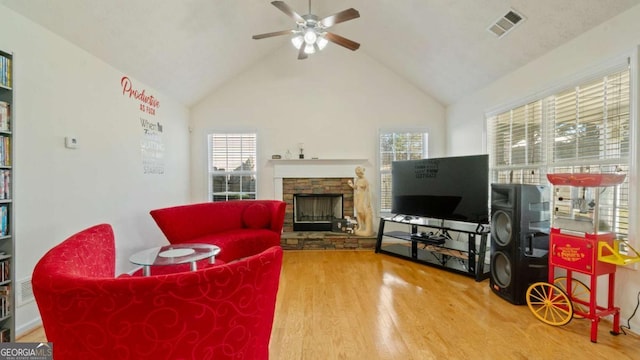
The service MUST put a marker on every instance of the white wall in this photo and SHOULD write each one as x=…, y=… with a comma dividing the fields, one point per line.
x=592, y=50
x=61, y=90
x=334, y=102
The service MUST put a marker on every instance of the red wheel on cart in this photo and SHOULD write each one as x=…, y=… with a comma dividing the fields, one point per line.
x=549, y=303
x=579, y=291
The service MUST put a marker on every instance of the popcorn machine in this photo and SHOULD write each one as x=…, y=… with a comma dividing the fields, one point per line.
x=582, y=240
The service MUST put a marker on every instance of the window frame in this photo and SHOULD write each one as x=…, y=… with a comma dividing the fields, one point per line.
x=548, y=164
x=242, y=173
x=382, y=172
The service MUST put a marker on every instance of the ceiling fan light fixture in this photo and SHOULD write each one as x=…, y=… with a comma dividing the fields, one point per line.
x=310, y=36
x=322, y=42
x=297, y=41
x=309, y=49
x=310, y=31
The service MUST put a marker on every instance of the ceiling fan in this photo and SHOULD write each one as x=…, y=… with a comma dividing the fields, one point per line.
x=310, y=34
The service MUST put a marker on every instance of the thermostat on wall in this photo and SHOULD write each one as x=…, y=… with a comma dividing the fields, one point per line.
x=70, y=142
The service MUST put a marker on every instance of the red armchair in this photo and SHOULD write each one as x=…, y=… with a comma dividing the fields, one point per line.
x=221, y=312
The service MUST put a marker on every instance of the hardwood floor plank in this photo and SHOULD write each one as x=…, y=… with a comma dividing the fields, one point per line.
x=361, y=305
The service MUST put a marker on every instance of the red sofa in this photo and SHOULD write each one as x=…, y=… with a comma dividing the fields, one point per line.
x=221, y=312
x=240, y=228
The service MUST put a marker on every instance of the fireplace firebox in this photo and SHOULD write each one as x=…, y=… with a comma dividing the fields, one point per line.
x=316, y=212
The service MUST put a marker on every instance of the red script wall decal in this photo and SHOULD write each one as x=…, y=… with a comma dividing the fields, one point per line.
x=149, y=102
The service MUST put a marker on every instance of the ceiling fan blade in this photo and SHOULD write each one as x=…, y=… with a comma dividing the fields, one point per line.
x=301, y=54
x=349, y=44
x=275, y=33
x=287, y=10
x=342, y=16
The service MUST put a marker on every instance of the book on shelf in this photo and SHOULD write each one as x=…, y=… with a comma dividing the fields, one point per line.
x=7, y=147
x=5, y=268
x=8, y=71
x=5, y=301
x=5, y=71
x=5, y=335
x=5, y=151
x=4, y=220
x=5, y=116
x=5, y=184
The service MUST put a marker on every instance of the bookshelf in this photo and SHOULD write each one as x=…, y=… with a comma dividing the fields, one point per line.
x=7, y=241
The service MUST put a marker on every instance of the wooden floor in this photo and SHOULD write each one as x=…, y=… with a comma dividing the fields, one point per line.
x=361, y=305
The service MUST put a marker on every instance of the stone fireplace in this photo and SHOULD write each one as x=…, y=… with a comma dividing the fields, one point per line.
x=319, y=177
x=322, y=192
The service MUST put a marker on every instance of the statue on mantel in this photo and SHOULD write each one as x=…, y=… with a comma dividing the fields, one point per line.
x=362, y=203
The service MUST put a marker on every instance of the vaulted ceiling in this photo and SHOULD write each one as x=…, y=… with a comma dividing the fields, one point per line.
x=188, y=48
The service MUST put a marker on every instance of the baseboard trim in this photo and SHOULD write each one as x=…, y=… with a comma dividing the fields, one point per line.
x=28, y=327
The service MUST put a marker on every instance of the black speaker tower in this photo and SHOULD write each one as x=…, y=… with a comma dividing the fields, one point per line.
x=520, y=220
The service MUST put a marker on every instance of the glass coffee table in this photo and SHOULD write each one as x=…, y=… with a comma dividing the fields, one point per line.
x=174, y=254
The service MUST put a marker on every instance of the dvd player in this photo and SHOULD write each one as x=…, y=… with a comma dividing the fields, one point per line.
x=429, y=239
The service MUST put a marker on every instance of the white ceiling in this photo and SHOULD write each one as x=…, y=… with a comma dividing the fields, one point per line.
x=188, y=48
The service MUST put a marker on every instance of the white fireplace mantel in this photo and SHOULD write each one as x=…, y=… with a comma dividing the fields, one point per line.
x=312, y=168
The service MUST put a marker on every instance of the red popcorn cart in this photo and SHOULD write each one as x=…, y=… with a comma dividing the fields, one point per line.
x=581, y=242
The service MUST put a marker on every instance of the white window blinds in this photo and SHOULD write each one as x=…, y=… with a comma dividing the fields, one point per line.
x=582, y=129
x=232, y=171
x=395, y=146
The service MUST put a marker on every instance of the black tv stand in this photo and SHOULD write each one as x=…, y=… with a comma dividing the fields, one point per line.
x=460, y=248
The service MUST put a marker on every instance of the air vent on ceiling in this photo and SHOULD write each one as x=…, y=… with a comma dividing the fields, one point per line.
x=506, y=23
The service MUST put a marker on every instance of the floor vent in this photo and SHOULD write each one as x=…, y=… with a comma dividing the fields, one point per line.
x=506, y=23
x=24, y=292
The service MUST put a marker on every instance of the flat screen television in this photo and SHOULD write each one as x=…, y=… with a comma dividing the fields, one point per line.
x=448, y=188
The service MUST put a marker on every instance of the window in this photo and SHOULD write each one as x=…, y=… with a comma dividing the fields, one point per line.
x=398, y=145
x=232, y=166
x=581, y=129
